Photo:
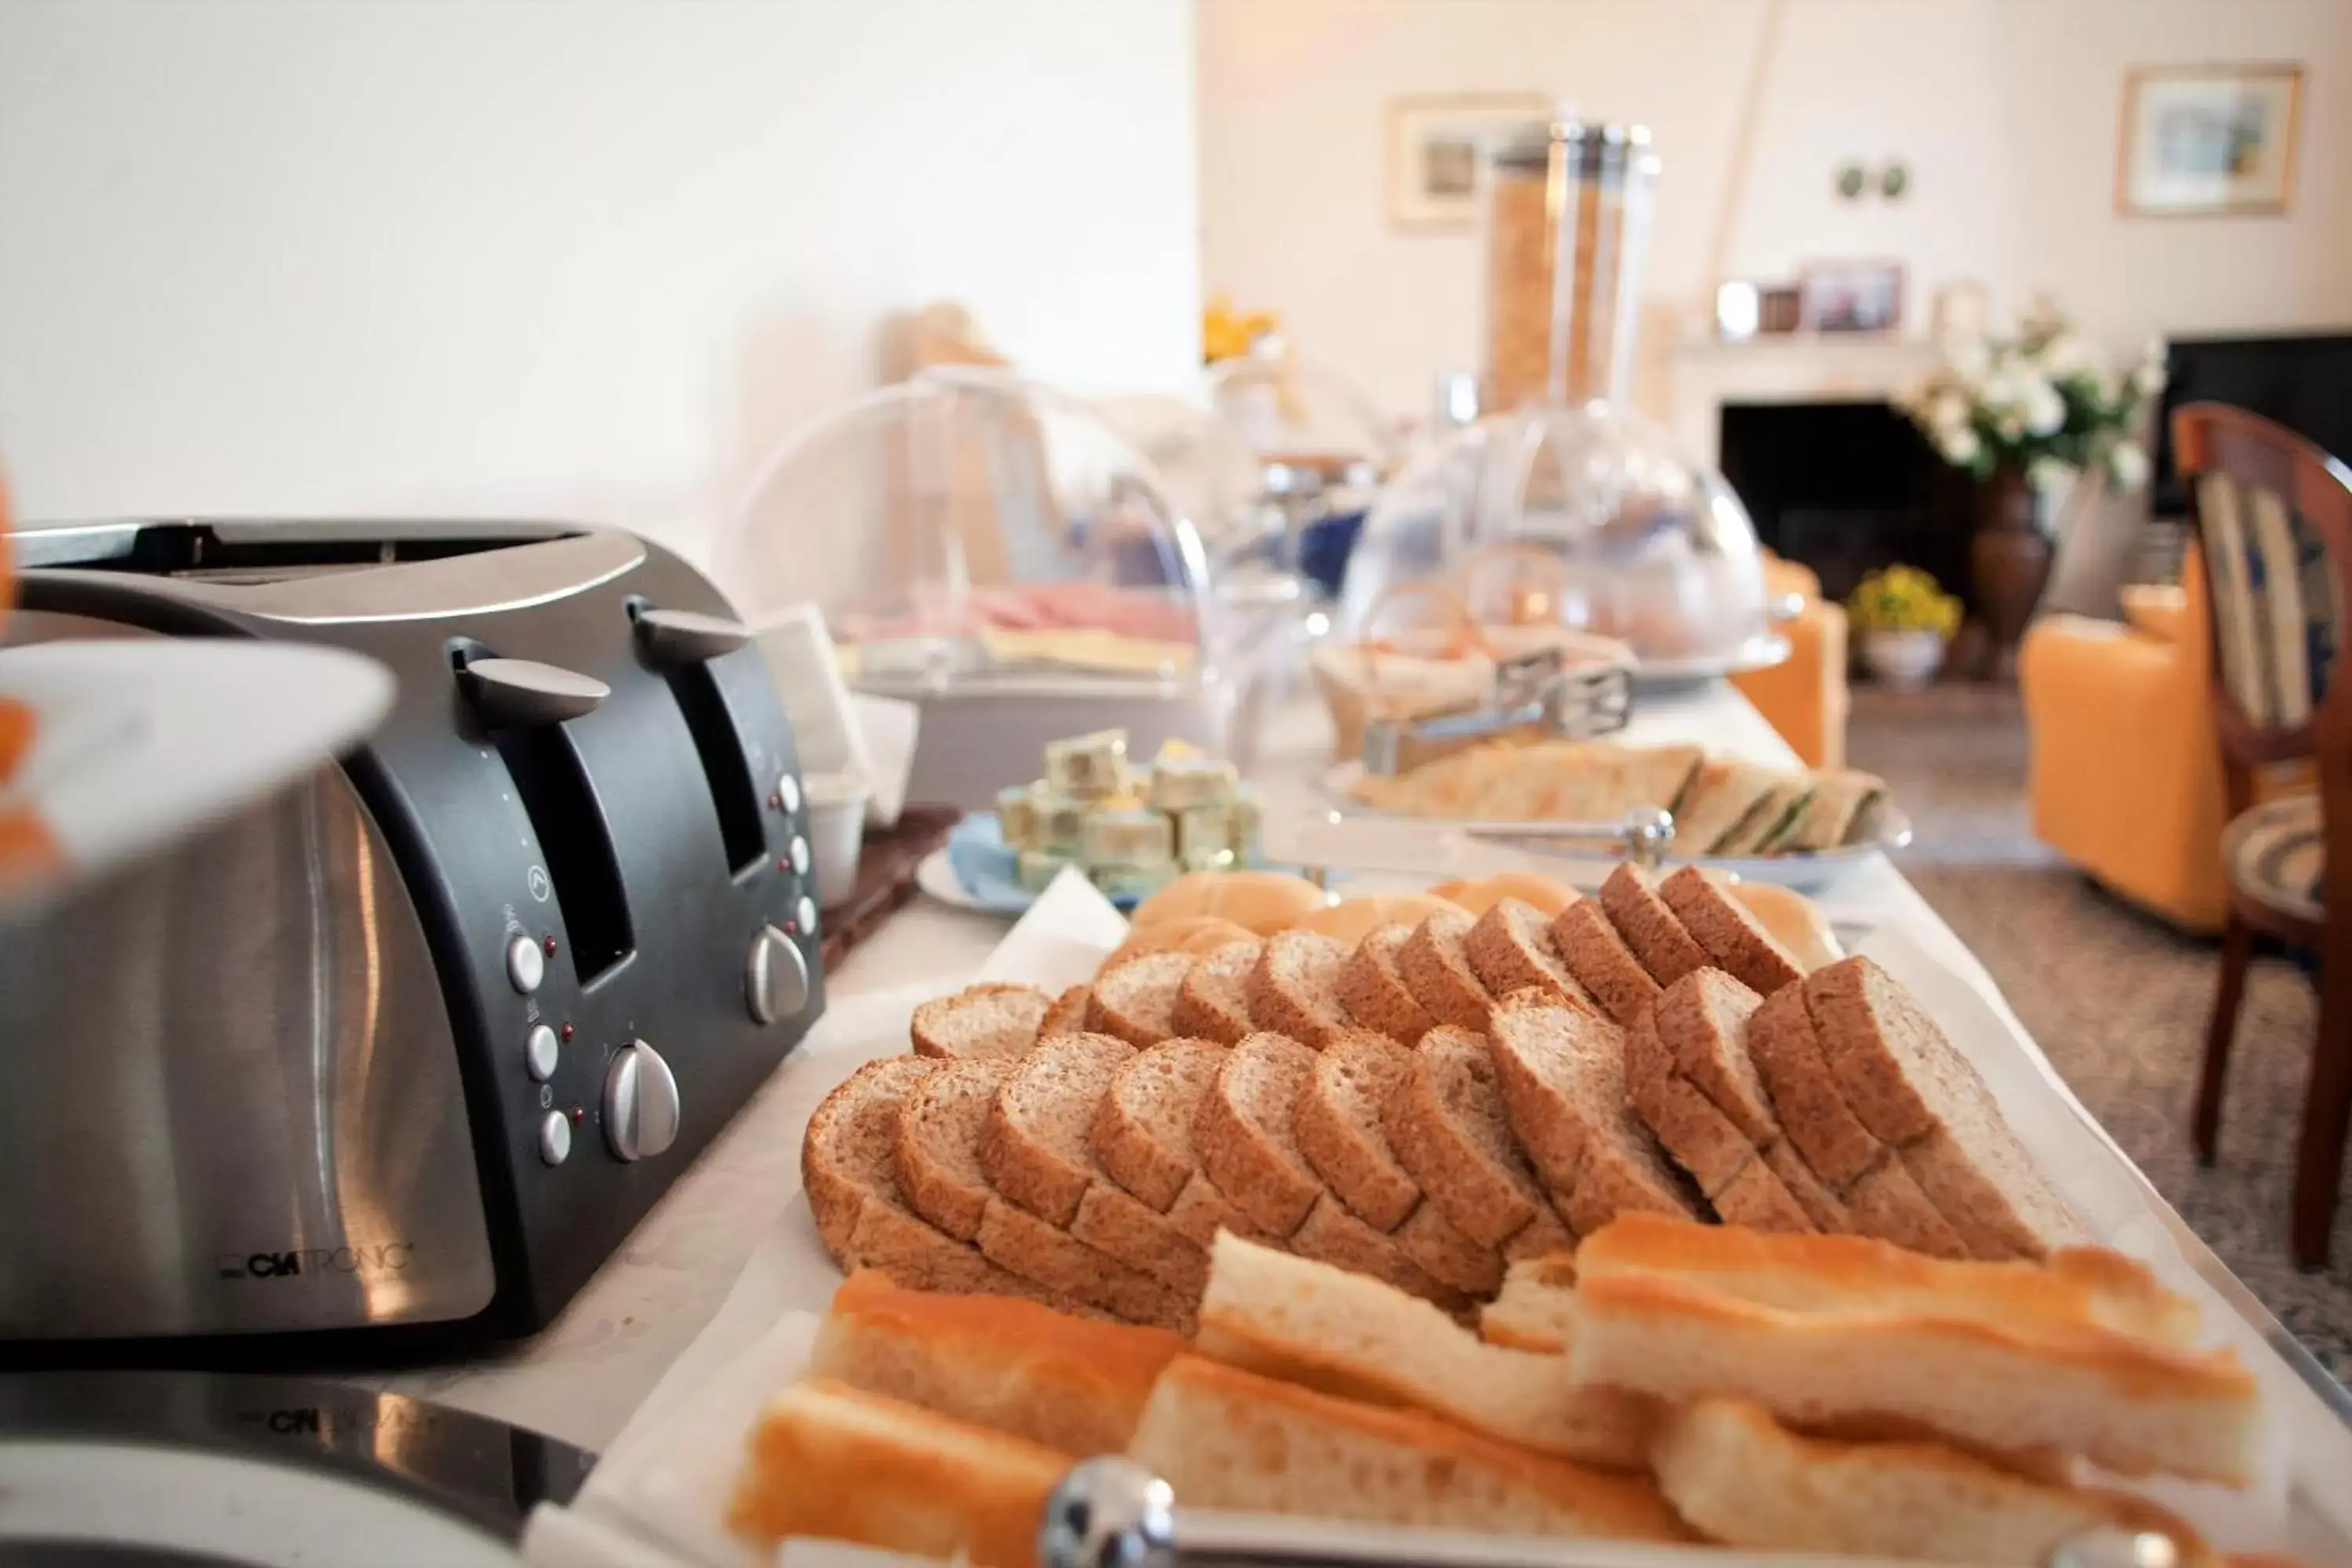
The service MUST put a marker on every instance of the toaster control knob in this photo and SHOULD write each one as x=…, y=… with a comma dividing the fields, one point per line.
x=526, y=965
x=520, y=691
x=640, y=1102
x=776, y=981
x=688, y=637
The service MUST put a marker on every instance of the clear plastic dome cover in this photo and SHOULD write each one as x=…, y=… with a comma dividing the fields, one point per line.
x=970, y=528
x=1585, y=515
x=1293, y=410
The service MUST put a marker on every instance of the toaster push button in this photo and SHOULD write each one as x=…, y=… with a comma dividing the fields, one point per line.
x=775, y=981
x=540, y=1051
x=804, y=913
x=798, y=850
x=640, y=1102
x=526, y=965
x=788, y=794
x=554, y=1138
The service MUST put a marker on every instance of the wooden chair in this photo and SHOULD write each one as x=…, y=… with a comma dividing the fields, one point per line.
x=2274, y=515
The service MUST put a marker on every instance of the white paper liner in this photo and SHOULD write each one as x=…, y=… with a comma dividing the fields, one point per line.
x=658, y=1497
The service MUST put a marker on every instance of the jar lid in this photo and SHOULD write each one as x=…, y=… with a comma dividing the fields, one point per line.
x=1591, y=142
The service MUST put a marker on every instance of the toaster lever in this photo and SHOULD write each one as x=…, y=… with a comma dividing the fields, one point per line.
x=520, y=692
x=688, y=637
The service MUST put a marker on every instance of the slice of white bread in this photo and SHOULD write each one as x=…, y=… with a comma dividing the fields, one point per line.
x=1602, y=962
x=1748, y=1481
x=939, y=1148
x=1832, y=1330
x=1037, y=1145
x=1136, y=1001
x=1375, y=994
x=1295, y=988
x=1068, y=1015
x=1212, y=1004
x=1536, y=1309
x=1735, y=940
x=862, y=1218
x=1449, y=1128
x=989, y=1019
x=1247, y=1133
x=1510, y=950
x=1562, y=1072
x=1340, y=1130
x=1910, y=1086
x=1629, y=898
x=837, y=1463
x=1074, y=1385
x=1228, y=1439
x=1345, y=1334
x=1436, y=969
x=1142, y=1136
x=1867, y=1179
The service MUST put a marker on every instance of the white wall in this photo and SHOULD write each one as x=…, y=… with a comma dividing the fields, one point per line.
x=2006, y=110
x=591, y=259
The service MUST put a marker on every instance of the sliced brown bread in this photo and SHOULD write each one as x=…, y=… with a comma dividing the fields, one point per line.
x=1733, y=938
x=937, y=1157
x=1435, y=968
x=1339, y=1132
x=1035, y=1142
x=1862, y=1175
x=1823, y=1206
x=1907, y=1083
x=1213, y=1002
x=1510, y=950
x=1246, y=1132
x=1068, y=1015
x=1331, y=1234
x=1629, y=898
x=1562, y=1072
x=1447, y=1254
x=1701, y=1138
x=847, y=1168
x=1703, y=1018
x=1602, y=962
x=1295, y=988
x=989, y=1019
x=1142, y=1132
x=1448, y=1128
x=1375, y=994
x=1136, y=1001
x=1026, y=1246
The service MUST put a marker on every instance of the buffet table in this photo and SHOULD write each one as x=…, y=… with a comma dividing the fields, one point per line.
x=582, y=1378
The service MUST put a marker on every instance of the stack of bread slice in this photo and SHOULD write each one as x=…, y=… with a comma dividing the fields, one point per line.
x=1425, y=1104
x=1676, y=1383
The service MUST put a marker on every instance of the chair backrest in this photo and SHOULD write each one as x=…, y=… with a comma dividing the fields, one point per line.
x=2274, y=514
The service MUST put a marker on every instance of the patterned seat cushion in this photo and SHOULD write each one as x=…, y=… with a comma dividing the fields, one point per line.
x=2275, y=855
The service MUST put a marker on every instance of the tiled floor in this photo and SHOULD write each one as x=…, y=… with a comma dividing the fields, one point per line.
x=2118, y=1001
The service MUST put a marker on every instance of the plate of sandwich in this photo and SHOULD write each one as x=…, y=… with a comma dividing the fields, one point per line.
x=1793, y=827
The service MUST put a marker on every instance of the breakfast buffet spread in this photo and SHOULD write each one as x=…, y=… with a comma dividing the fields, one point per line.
x=1497, y=1209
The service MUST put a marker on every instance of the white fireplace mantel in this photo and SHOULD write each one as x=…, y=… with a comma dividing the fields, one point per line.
x=1792, y=368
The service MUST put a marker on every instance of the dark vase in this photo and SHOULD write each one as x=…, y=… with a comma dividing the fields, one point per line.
x=2010, y=557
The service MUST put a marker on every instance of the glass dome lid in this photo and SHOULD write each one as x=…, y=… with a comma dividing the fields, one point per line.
x=1583, y=514
x=1295, y=412
x=968, y=528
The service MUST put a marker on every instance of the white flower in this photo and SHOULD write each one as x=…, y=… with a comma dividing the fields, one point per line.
x=2012, y=426
x=1960, y=447
x=2043, y=409
x=2147, y=380
x=2001, y=390
x=1948, y=410
x=2128, y=462
x=2049, y=475
x=1970, y=359
x=2064, y=355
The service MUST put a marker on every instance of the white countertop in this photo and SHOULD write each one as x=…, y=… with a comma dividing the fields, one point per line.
x=580, y=1378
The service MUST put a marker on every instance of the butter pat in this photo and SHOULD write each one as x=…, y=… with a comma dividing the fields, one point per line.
x=1133, y=881
x=1039, y=866
x=1061, y=824
x=1179, y=784
x=1016, y=814
x=1125, y=832
x=1204, y=837
x=1088, y=767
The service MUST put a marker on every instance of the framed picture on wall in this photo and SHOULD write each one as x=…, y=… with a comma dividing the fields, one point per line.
x=1437, y=156
x=2207, y=141
x=1851, y=296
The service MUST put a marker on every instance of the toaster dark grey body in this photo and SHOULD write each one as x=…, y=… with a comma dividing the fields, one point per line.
x=419, y=1041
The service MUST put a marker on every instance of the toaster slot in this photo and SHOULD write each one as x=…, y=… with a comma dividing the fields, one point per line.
x=733, y=792
x=581, y=864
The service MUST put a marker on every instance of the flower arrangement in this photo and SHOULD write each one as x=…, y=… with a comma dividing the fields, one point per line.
x=1903, y=599
x=1228, y=334
x=2038, y=403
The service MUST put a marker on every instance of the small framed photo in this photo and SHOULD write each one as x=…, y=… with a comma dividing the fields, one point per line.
x=2209, y=141
x=1437, y=154
x=1851, y=296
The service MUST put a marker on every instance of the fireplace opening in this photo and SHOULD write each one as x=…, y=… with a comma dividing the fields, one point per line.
x=1846, y=489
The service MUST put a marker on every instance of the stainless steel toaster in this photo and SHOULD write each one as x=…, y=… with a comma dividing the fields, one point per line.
x=411, y=1047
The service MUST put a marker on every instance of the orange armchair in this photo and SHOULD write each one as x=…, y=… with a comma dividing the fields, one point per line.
x=2123, y=771
x=1806, y=698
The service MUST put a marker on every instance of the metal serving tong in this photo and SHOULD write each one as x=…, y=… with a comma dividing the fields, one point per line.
x=1113, y=1513
x=1411, y=847
x=1535, y=695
